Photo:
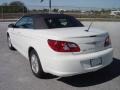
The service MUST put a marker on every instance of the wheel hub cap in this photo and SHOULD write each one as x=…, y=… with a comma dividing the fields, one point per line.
x=34, y=63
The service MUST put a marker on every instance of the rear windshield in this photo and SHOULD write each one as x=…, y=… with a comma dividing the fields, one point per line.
x=62, y=22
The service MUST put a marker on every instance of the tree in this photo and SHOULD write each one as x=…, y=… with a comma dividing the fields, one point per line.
x=55, y=10
x=103, y=10
x=19, y=6
x=45, y=10
x=13, y=7
x=17, y=3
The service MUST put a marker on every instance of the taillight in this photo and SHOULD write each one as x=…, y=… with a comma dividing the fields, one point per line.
x=63, y=46
x=107, y=41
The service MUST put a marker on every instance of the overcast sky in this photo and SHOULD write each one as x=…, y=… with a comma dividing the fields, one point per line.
x=74, y=3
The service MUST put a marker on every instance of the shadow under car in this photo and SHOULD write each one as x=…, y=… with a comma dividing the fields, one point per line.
x=89, y=79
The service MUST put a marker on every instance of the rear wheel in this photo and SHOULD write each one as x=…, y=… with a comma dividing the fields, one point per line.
x=9, y=43
x=36, y=65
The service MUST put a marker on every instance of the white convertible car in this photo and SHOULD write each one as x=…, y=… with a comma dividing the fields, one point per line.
x=59, y=44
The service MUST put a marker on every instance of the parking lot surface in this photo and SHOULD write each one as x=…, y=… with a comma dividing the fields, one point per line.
x=15, y=72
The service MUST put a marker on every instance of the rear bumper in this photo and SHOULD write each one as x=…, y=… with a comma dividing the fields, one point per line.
x=70, y=65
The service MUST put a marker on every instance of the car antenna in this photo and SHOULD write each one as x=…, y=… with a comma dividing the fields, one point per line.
x=89, y=26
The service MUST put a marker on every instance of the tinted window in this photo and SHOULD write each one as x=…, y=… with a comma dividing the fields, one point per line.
x=25, y=22
x=62, y=22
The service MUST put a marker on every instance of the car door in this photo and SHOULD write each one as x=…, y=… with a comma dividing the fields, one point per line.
x=22, y=27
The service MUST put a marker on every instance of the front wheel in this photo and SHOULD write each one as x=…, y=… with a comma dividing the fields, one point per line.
x=9, y=43
x=36, y=65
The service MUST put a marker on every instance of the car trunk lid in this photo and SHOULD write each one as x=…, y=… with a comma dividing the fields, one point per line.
x=88, y=41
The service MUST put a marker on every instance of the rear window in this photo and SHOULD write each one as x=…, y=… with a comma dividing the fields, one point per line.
x=62, y=22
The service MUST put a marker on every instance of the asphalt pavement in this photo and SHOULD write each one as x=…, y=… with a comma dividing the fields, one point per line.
x=15, y=72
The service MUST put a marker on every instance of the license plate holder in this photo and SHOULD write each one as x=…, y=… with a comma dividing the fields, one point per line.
x=95, y=62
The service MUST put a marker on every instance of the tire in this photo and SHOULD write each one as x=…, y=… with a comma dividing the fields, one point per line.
x=36, y=65
x=9, y=43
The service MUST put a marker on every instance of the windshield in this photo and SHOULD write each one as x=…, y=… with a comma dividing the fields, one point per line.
x=62, y=22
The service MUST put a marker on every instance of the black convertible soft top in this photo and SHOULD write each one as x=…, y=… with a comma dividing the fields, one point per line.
x=48, y=15
x=40, y=23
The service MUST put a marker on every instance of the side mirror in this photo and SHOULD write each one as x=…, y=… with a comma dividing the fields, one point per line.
x=11, y=25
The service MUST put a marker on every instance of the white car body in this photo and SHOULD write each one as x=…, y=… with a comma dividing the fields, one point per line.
x=63, y=64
